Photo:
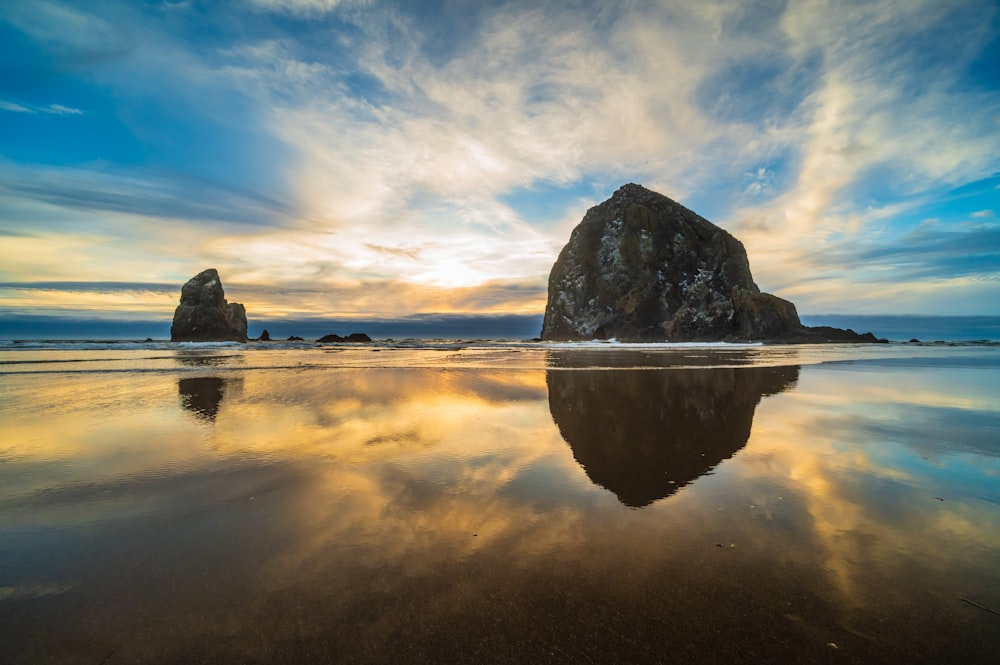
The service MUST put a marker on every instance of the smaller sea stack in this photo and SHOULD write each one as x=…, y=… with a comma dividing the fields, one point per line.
x=204, y=315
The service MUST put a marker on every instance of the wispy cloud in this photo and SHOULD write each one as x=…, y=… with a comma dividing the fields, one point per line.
x=52, y=109
x=374, y=151
x=301, y=7
x=59, y=109
x=14, y=108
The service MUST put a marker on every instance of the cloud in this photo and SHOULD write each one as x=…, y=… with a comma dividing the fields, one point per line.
x=299, y=7
x=94, y=287
x=59, y=109
x=983, y=213
x=153, y=194
x=14, y=108
x=925, y=253
x=870, y=149
x=366, y=143
x=52, y=109
x=74, y=35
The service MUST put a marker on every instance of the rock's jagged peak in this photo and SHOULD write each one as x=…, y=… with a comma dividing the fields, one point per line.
x=632, y=194
x=203, y=288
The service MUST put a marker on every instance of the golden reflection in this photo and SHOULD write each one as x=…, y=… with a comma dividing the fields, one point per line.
x=877, y=504
x=383, y=496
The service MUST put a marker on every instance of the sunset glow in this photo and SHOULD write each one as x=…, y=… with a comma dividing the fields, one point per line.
x=365, y=160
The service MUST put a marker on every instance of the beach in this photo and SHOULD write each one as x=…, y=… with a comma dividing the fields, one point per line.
x=499, y=502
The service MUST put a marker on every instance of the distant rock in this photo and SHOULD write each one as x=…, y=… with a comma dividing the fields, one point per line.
x=264, y=336
x=204, y=315
x=641, y=267
x=295, y=338
x=353, y=337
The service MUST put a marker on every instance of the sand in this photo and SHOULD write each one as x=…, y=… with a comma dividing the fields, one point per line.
x=499, y=504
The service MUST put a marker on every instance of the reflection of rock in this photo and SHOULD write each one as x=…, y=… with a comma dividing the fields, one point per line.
x=201, y=395
x=204, y=315
x=201, y=359
x=645, y=433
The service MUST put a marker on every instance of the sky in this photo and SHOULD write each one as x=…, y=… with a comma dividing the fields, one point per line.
x=369, y=160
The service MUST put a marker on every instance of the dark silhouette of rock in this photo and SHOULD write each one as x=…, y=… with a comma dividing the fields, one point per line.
x=353, y=337
x=204, y=315
x=295, y=338
x=641, y=267
x=264, y=336
x=201, y=395
x=644, y=434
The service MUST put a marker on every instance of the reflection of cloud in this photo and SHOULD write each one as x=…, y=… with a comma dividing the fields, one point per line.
x=873, y=501
x=471, y=527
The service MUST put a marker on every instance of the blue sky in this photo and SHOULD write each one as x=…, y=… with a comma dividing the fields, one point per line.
x=376, y=160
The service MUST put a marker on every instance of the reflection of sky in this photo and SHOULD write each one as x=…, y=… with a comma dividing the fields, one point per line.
x=382, y=497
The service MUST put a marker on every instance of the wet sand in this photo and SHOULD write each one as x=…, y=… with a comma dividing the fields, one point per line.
x=500, y=505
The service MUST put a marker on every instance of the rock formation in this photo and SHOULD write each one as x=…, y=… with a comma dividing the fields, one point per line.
x=641, y=267
x=204, y=315
x=353, y=337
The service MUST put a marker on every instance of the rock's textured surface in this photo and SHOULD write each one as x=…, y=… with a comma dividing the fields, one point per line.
x=204, y=315
x=641, y=267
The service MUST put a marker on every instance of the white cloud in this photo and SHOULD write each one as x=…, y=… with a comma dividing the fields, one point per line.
x=875, y=121
x=303, y=7
x=406, y=145
x=59, y=109
x=14, y=108
x=51, y=109
x=983, y=213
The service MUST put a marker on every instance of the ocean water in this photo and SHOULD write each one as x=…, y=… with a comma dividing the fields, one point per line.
x=923, y=328
x=442, y=501
x=893, y=328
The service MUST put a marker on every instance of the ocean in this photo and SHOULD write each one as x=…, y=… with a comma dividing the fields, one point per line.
x=513, y=327
x=429, y=501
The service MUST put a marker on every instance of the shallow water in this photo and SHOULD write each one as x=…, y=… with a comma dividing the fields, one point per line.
x=491, y=502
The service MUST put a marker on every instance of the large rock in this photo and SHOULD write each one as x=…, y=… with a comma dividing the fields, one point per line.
x=641, y=267
x=204, y=315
